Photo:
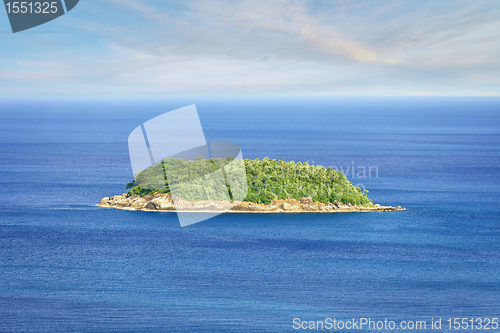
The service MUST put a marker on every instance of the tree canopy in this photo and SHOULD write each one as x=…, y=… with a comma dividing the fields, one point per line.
x=266, y=180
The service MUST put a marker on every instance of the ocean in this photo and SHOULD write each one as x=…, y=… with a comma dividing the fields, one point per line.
x=68, y=266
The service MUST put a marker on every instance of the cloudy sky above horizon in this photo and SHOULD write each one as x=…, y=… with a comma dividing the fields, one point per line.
x=250, y=47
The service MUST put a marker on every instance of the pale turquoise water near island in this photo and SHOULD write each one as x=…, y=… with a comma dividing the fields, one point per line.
x=67, y=266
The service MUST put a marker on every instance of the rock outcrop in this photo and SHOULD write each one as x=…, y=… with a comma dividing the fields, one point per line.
x=162, y=202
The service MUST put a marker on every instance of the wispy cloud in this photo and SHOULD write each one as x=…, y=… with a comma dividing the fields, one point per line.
x=140, y=7
x=265, y=47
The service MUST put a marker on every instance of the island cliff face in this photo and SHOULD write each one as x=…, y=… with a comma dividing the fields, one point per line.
x=163, y=202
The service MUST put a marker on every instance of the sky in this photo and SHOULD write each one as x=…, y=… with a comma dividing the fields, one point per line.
x=257, y=48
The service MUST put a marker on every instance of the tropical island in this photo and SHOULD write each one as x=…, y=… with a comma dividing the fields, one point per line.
x=258, y=185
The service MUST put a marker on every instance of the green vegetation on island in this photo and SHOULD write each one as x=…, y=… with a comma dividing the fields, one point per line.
x=267, y=180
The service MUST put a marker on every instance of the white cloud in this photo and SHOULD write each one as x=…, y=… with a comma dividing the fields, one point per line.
x=278, y=47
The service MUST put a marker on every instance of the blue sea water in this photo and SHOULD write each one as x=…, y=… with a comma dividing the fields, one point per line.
x=68, y=266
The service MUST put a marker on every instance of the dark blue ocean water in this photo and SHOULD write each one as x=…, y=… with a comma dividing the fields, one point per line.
x=67, y=266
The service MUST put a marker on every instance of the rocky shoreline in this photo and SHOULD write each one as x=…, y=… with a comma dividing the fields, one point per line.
x=161, y=202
